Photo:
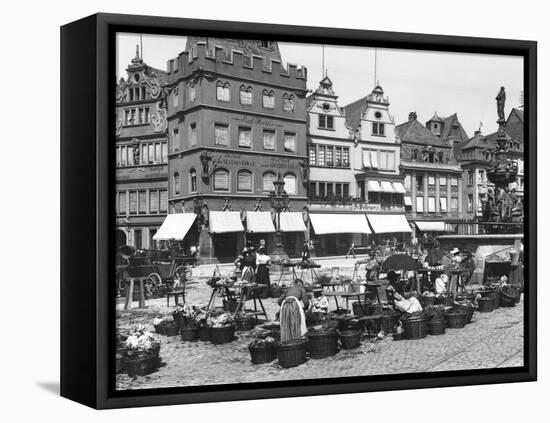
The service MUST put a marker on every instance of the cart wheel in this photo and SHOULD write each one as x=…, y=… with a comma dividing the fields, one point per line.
x=185, y=271
x=152, y=284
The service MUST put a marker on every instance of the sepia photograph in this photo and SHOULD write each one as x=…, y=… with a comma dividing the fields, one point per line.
x=297, y=211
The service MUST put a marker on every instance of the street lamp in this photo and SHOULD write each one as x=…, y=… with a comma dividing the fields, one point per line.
x=279, y=202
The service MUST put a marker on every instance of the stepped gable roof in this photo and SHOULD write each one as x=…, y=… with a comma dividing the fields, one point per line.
x=354, y=111
x=515, y=124
x=453, y=127
x=413, y=131
x=248, y=47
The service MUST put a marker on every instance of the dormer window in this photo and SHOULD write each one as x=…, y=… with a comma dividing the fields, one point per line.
x=326, y=122
x=265, y=44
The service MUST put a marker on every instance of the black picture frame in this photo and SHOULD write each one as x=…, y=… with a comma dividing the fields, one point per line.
x=87, y=215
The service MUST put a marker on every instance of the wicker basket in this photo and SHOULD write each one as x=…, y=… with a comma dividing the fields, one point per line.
x=485, y=304
x=172, y=329
x=222, y=335
x=415, y=327
x=428, y=300
x=389, y=322
x=468, y=310
x=456, y=319
x=437, y=325
x=509, y=296
x=373, y=308
x=245, y=323
x=350, y=339
x=322, y=344
x=189, y=333
x=292, y=353
x=161, y=327
x=141, y=365
x=275, y=291
x=261, y=355
x=357, y=309
x=204, y=334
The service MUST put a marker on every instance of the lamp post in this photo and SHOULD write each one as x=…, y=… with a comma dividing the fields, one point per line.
x=279, y=202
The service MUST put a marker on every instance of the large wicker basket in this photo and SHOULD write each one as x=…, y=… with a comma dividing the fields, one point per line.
x=437, y=325
x=415, y=327
x=141, y=365
x=456, y=319
x=204, y=334
x=262, y=354
x=485, y=304
x=172, y=329
x=350, y=339
x=292, y=353
x=468, y=310
x=245, y=323
x=222, y=335
x=322, y=344
x=189, y=333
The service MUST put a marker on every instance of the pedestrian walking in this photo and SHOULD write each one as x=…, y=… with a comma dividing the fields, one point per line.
x=351, y=250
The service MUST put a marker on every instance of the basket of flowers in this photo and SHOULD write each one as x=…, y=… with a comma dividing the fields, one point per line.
x=184, y=315
x=444, y=299
x=143, y=352
x=262, y=350
x=221, y=328
x=159, y=323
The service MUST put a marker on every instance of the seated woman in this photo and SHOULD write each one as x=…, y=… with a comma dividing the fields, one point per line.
x=407, y=305
x=293, y=320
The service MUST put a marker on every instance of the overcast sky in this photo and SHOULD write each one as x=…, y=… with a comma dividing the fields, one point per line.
x=414, y=80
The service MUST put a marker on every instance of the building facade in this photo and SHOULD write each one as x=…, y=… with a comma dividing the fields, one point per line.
x=236, y=122
x=433, y=177
x=141, y=155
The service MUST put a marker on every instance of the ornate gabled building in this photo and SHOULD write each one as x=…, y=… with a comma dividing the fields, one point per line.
x=141, y=154
x=433, y=177
x=236, y=121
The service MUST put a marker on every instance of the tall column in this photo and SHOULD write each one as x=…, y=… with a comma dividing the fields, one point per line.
x=413, y=193
x=425, y=193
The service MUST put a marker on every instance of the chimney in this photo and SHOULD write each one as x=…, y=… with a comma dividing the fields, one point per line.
x=412, y=116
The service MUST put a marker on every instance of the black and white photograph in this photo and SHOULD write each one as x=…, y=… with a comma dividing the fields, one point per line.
x=300, y=211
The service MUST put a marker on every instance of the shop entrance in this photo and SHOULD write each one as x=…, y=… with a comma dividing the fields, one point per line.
x=226, y=246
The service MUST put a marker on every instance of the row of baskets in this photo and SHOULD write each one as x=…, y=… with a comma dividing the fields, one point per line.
x=318, y=345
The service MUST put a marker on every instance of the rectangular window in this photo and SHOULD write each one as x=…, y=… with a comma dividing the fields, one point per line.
x=419, y=204
x=345, y=156
x=137, y=239
x=192, y=93
x=454, y=204
x=163, y=201
x=329, y=158
x=193, y=134
x=176, y=136
x=374, y=159
x=134, y=117
x=175, y=99
x=123, y=156
x=326, y=122
x=268, y=100
x=154, y=201
x=290, y=142
x=222, y=93
x=147, y=115
x=127, y=117
x=431, y=181
x=144, y=154
x=420, y=183
x=312, y=161
x=142, y=202
x=443, y=204
x=338, y=156
x=267, y=181
x=131, y=94
x=221, y=134
x=470, y=203
x=122, y=203
x=454, y=182
x=158, y=153
x=164, y=152
x=143, y=93
x=391, y=160
x=321, y=189
x=312, y=190
x=288, y=104
x=246, y=96
x=133, y=202
x=383, y=159
x=346, y=190
x=269, y=140
x=442, y=182
x=470, y=177
x=118, y=150
x=408, y=182
x=330, y=189
x=377, y=128
x=431, y=204
x=321, y=155
x=221, y=180
x=338, y=190
x=151, y=153
x=244, y=181
x=245, y=137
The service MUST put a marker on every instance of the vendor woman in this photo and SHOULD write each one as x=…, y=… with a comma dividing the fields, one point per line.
x=292, y=316
x=263, y=261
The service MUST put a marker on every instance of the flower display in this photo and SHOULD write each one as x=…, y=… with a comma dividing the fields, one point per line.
x=141, y=340
x=220, y=321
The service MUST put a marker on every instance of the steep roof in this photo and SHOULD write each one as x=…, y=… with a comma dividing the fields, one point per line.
x=435, y=118
x=515, y=125
x=453, y=128
x=354, y=111
x=414, y=132
x=479, y=141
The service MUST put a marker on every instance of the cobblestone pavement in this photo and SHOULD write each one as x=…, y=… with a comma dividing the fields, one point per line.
x=491, y=340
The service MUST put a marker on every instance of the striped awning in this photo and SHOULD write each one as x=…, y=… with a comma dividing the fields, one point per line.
x=374, y=186
x=225, y=221
x=259, y=222
x=292, y=222
x=399, y=188
x=175, y=226
x=386, y=186
x=388, y=223
x=337, y=223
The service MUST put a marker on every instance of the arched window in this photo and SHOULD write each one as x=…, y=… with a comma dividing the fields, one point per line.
x=221, y=180
x=290, y=183
x=267, y=181
x=268, y=99
x=245, y=95
x=223, y=91
x=193, y=180
x=176, y=183
x=288, y=102
x=244, y=181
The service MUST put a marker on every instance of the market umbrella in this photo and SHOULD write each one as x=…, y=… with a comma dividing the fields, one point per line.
x=401, y=262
